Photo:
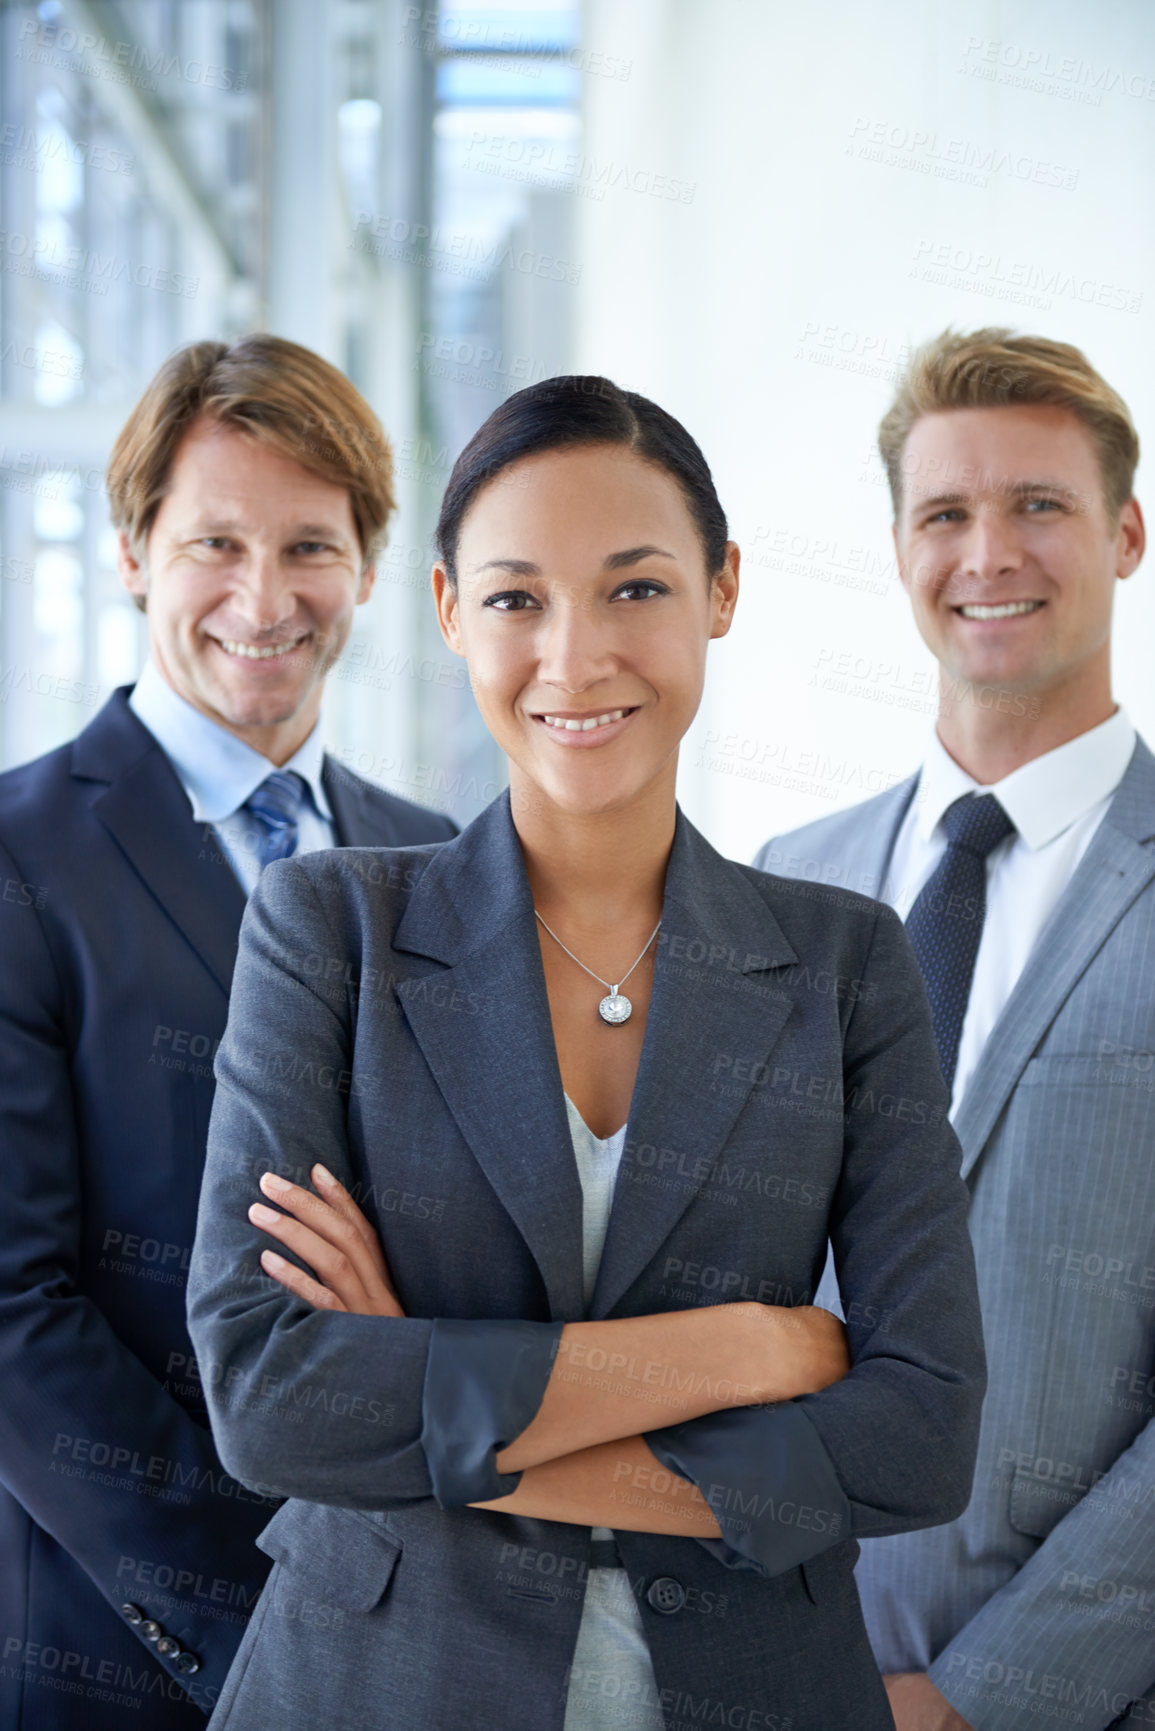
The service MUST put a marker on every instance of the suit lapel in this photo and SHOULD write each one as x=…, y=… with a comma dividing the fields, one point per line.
x=147, y=813
x=1116, y=868
x=484, y=1028
x=714, y=994
x=345, y=804
x=878, y=845
x=356, y=823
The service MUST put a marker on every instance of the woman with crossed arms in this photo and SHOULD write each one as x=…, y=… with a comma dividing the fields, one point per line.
x=553, y=1124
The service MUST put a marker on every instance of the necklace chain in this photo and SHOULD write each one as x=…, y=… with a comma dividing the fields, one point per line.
x=612, y=987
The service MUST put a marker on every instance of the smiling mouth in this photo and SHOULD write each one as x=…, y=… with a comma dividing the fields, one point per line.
x=997, y=609
x=255, y=652
x=583, y=723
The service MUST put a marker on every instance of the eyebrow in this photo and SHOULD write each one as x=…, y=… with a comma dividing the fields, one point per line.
x=515, y=567
x=634, y=556
x=299, y=531
x=1046, y=486
x=613, y=562
x=313, y=531
x=1017, y=489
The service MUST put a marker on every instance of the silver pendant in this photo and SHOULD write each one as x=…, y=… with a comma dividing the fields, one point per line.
x=616, y=1008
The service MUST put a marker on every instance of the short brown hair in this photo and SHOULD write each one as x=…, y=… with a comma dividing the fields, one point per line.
x=276, y=391
x=993, y=368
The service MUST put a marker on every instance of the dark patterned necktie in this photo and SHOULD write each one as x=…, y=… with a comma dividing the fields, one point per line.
x=276, y=805
x=946, y=922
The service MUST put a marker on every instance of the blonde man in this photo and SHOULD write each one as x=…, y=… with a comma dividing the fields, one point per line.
x=251, y=487
x=1022, y=858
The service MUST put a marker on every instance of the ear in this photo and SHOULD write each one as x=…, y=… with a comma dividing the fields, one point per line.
x=448, y=609
x=132, y=571
x=365, y=586
x=724, y=592
x=1131, y=539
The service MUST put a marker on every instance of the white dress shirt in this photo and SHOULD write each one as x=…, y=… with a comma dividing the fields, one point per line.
x=612, y=1682
x=218, y=771
x=1056, y=803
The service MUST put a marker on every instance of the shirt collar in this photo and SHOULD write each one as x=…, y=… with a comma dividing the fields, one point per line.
x=217, y=770
x=1042, y=798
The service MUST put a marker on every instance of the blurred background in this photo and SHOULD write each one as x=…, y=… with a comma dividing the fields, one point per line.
x=746, y=209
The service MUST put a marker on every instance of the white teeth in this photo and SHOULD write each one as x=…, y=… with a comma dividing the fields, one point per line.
x=1004, y=609
x=583, y=726
x=252, y=653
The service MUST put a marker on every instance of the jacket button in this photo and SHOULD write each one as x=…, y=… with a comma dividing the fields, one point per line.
x=666, y=1595
x=150, y=1630
x=167, y=1646
x=132, y=1613
x=188, y=1663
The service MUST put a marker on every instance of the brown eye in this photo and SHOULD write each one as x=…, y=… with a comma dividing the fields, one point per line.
x=641, y=589
x=510, y=601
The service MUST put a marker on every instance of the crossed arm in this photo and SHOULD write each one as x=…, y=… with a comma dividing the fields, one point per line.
x=584, y=1446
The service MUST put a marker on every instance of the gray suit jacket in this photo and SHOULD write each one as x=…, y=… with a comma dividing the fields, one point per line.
x=389, y=1017
x=1041, y=1597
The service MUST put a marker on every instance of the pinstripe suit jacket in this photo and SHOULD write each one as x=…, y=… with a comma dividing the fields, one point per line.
x=1040, y=1599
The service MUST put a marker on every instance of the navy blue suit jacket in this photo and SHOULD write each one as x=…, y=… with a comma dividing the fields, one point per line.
x=119, y=918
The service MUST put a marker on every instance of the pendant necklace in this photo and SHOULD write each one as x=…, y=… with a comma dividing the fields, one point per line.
x=616, y=1007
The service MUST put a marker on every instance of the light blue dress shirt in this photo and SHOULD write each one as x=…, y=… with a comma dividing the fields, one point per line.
x=218, y=772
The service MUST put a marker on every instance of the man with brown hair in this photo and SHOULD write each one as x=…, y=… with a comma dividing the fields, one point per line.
x=1022, y=857
x=251, y=488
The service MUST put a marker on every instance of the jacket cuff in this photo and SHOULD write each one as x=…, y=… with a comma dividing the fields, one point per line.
x=768, y=1479
x=484, y=1382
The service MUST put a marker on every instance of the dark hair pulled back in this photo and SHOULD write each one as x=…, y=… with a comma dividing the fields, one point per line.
x=581, y=409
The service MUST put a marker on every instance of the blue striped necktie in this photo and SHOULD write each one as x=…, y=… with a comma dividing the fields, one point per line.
x=946, y=922
x=276, y=805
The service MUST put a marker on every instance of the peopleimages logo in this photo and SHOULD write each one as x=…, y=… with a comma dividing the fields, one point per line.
x=458, y=251
x=23, y=147
x=50, y=44
x=928, y=152
x=85, y=268
x=1042, y=69
x=1021, y=280
x=54, y=362
x=541, y=158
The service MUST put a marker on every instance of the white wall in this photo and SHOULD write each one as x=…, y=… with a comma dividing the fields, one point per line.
x=769, y=309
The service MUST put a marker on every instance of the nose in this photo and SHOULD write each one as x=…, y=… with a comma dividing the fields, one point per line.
x=576, y=648
x=262, y=592
x=991, y=549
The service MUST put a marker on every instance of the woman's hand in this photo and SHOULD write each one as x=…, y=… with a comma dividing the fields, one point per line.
x=918, y=1706
x=788, y=1350
x=823, y=1355
x=330, y=1233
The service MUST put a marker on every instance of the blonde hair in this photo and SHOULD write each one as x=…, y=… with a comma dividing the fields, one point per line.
x=994, y=368
x=275, y=391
